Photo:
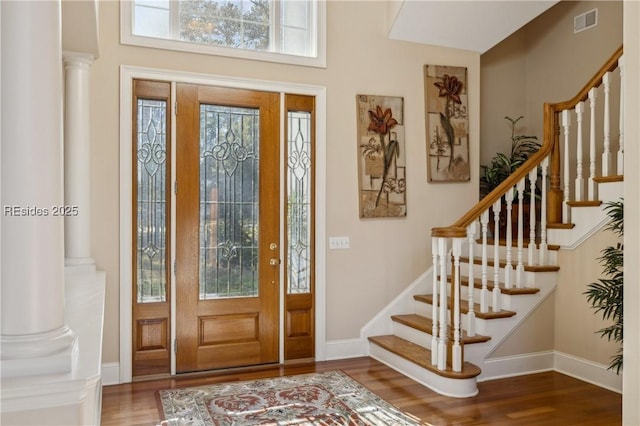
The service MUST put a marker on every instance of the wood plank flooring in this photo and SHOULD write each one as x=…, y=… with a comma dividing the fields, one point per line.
x=539, y=399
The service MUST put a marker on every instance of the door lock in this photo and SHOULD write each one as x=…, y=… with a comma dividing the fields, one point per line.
x=274, y=262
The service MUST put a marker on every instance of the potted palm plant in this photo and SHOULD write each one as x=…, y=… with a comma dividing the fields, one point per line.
x=606, y=296
x=502, y=166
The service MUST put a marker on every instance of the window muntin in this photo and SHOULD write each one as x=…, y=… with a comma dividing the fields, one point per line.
x=299, y=194
x=289, y=31
x=151, y=190
x=229, y=201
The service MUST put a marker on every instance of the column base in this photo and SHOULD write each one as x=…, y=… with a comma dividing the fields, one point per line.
x=53, y=352
x=79, y=266
x=65, y=399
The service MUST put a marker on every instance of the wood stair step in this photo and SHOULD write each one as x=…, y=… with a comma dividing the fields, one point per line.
x=560, y=225
x=502, y=242
x=606, y=179
x=594, y=203
x=425, y=325
x=421, y=356
x=503, y=263
x=477, y=283
x=464, y=308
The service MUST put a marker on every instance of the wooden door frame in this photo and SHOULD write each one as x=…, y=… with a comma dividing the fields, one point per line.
x=127, y=75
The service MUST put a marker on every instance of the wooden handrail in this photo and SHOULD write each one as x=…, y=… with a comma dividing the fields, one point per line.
x=550, y=146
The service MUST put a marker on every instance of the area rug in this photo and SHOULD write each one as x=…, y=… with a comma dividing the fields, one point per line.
x=330, y=398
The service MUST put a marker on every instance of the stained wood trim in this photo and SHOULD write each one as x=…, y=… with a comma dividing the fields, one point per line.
x=301, y=344
x=154, y=318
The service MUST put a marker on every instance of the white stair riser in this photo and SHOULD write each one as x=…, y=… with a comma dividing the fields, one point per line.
x=411, y=334
x=552, y=255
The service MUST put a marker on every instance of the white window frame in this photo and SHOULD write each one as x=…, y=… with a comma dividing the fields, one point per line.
x=319, y=30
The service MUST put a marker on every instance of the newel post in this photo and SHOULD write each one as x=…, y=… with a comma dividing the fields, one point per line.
x=555, y=193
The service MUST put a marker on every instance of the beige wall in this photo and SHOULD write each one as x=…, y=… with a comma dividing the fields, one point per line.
x=576, y=322
x=543, y=62
x=534, y=334
x=385, y=255
x=565, y=322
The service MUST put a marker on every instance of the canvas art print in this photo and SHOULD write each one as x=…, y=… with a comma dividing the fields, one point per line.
x=447, y=123
x=381, y=156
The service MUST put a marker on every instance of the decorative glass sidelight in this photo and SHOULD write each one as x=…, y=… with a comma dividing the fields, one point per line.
x=299, y=160
x=151, y=190
x=229, y=192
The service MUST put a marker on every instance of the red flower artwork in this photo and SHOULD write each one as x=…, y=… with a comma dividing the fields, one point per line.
x=381, y=121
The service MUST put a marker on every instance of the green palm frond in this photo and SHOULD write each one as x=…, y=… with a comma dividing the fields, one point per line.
x=606, y=296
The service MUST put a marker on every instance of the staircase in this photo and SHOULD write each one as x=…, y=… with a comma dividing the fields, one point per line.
x=442, y=329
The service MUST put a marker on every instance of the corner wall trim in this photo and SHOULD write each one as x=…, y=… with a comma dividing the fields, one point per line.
x=347, y=348
x=588, y=371
x=110, y=373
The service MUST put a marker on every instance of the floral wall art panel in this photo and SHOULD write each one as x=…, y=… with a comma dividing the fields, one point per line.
x=447, y=123
x=381, y=156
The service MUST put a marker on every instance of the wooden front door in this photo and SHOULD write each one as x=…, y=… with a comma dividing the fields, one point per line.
x=227, y=227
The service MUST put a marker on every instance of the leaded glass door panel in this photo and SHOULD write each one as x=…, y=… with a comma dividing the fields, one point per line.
x=227, y=227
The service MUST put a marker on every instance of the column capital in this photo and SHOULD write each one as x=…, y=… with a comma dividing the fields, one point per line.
x=77, y=59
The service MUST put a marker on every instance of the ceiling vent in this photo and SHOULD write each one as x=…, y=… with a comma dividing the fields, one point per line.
x=585, y=21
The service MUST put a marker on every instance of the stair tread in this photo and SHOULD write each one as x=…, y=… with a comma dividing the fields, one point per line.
x=560, y=225
x=503, y=263
x=425, y=325
x=477, y=283
x=591, y=203
x=606, y=179
x=502, y=242
x=464, y=308
x=421, y=356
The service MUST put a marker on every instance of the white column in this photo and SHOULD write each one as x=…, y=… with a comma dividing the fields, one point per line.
x=34, y=338
x=77, y=171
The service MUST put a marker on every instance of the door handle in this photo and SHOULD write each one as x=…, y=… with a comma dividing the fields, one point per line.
x=274, y=262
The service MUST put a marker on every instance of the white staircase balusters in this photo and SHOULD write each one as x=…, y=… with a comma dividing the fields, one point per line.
x=508, y=269
x=579, y=189
x=497, y=206
x=606, y=155
x=520, y=266
x=442, y=337
x=533, y=179
x=456, y=354
x=471, y=315
x=593, y=94
x=484, y=292
x=566, y=123
x=434, y=304
x=543, y=248
x=620, y=162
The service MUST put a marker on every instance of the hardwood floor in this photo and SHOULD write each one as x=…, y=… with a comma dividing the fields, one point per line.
x=539, y=399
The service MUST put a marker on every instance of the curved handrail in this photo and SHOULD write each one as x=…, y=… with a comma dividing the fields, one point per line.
x=549, y=146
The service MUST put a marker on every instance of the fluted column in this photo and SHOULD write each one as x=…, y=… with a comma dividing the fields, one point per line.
x=77, y=170
x=34, y=337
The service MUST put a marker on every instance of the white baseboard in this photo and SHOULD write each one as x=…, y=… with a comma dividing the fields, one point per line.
x=494, y=368
x=348, y=348
x=579, y=368
x=588, y=371
x=110, y=373
x=517, y=365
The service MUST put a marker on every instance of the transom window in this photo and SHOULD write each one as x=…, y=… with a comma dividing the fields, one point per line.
x=290, y=31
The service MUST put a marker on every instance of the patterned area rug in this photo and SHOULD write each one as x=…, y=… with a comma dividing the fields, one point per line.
x=330, y=398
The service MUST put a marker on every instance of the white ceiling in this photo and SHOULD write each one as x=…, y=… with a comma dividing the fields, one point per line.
x=475, y=25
